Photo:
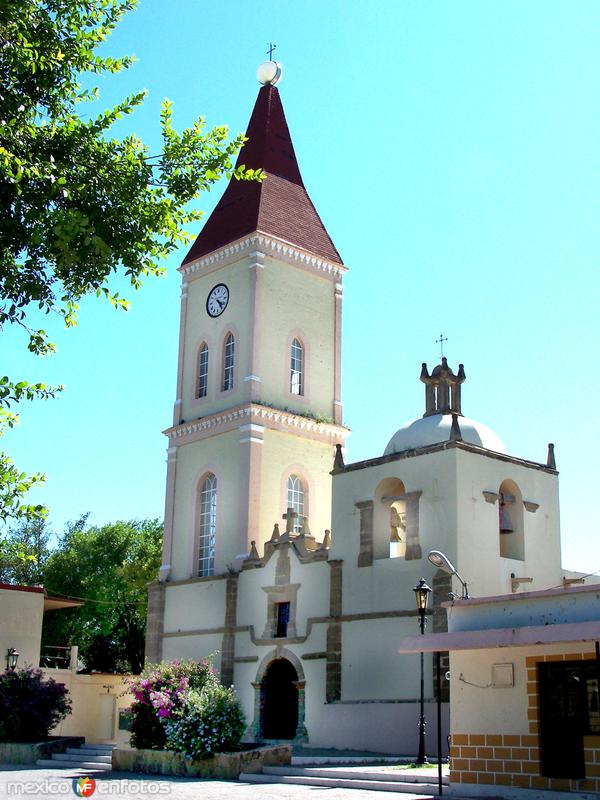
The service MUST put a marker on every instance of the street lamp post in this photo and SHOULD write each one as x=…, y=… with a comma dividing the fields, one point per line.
x=422, y=592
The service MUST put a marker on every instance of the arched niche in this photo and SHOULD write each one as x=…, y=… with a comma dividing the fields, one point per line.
x=511, y=532
x=390, y=519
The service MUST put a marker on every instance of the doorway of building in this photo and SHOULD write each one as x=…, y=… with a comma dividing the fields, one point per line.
x=279, y=700
x=568, y=698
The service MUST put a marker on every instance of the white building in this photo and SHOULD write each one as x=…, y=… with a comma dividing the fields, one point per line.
x=307, y=624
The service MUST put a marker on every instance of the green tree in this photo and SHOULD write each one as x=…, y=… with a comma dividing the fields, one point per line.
x=110, y=567
x=78, y=205
x=25, y=552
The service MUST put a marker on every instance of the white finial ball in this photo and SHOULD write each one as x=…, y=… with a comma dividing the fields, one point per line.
x=269, y=72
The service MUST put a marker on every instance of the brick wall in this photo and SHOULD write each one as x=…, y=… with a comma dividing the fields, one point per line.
x=514, y=759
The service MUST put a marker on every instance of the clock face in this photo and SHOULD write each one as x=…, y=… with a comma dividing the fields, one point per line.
x=217, y=300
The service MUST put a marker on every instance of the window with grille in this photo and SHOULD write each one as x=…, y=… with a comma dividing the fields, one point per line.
x=297, y=368
x=207, y=526
x=202, y=389
x=295, y=501
x=228, y=360
x=282, y=619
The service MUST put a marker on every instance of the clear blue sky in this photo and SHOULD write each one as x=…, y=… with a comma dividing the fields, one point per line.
x=452, y=150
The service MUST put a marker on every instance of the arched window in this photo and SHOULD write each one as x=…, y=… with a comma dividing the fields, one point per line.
x=228, y=360
x=297, y=368
x=202, y=388
x=207, y=526
x=295, y=499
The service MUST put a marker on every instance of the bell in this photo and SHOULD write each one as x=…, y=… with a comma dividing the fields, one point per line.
x=394, y=535
x=506, y=525
x=396, y=522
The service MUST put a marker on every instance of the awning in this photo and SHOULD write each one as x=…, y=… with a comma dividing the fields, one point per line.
x=52, y=602
x=502, y=637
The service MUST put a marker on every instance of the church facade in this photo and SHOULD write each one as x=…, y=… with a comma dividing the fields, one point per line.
x=296, y=568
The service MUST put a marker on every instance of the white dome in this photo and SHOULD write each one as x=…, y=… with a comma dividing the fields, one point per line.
x=436, y=428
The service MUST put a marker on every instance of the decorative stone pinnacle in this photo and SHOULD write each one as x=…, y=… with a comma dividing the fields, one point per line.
x=442, y=389
x=338, y=460
x=551, y=460
x=455, y=432
x=275, y=535
x=253, y=554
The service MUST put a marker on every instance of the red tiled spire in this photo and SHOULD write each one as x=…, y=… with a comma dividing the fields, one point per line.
x=280, y=205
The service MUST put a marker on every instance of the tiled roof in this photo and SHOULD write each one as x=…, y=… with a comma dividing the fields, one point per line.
x=280, y=205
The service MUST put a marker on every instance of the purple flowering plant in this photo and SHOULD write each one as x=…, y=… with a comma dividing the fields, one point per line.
x=30, y=705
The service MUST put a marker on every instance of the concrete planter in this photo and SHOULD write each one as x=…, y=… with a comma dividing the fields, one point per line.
x=30, y=752
x=226, y=766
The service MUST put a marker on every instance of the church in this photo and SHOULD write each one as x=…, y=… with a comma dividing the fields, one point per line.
x=296, y=568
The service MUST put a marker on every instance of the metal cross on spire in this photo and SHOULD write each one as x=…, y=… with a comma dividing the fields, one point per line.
x=270, y=50
x=441, y=341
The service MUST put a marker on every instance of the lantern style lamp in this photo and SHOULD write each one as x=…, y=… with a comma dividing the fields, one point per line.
x=12, y=656
x=422, y=592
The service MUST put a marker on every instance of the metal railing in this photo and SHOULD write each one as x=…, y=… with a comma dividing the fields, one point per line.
x=58, y=657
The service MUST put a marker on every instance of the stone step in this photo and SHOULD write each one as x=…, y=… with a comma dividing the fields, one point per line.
x=59, y=763
x=78, y=755
x=97, y=748
x=356, y=773
x=411, y=791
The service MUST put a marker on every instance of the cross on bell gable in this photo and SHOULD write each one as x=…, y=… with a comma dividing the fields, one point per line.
x=290, y=520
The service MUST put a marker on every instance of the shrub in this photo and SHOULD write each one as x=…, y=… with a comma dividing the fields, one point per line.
x=211, y=721
x=30, y=706
x=182, y=706
x=159, y=692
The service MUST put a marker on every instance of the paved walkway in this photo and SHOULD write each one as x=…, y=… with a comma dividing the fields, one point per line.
x=39, y=782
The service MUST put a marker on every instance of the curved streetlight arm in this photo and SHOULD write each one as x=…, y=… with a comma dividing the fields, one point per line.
x=441, y=561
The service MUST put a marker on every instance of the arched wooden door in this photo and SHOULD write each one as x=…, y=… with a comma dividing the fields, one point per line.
x=279, y=701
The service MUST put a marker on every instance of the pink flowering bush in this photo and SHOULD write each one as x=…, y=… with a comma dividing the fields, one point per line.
x=160, y=692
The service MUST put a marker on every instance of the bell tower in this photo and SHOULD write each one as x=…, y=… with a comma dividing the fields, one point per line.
x=258, y=408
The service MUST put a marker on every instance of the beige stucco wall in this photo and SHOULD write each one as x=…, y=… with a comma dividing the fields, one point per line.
x=221, y=456
x=300, y=303
x=284, y=454
x=262, y=496
x=483, y=708
x=291, y=300
x=200, y=328
x=21, y=614
x=372, y=667
x=194, y=606
x=478, y=553
x=455, y=518
x=193, y=647
x=97, y=699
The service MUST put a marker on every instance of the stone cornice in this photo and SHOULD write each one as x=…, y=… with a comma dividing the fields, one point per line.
x=441, y=446
x=271, y=246
x=254, y=413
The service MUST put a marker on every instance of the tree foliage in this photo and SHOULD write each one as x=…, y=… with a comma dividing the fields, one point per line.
x=110, y=566
x=80, y=206
x=25, y=552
